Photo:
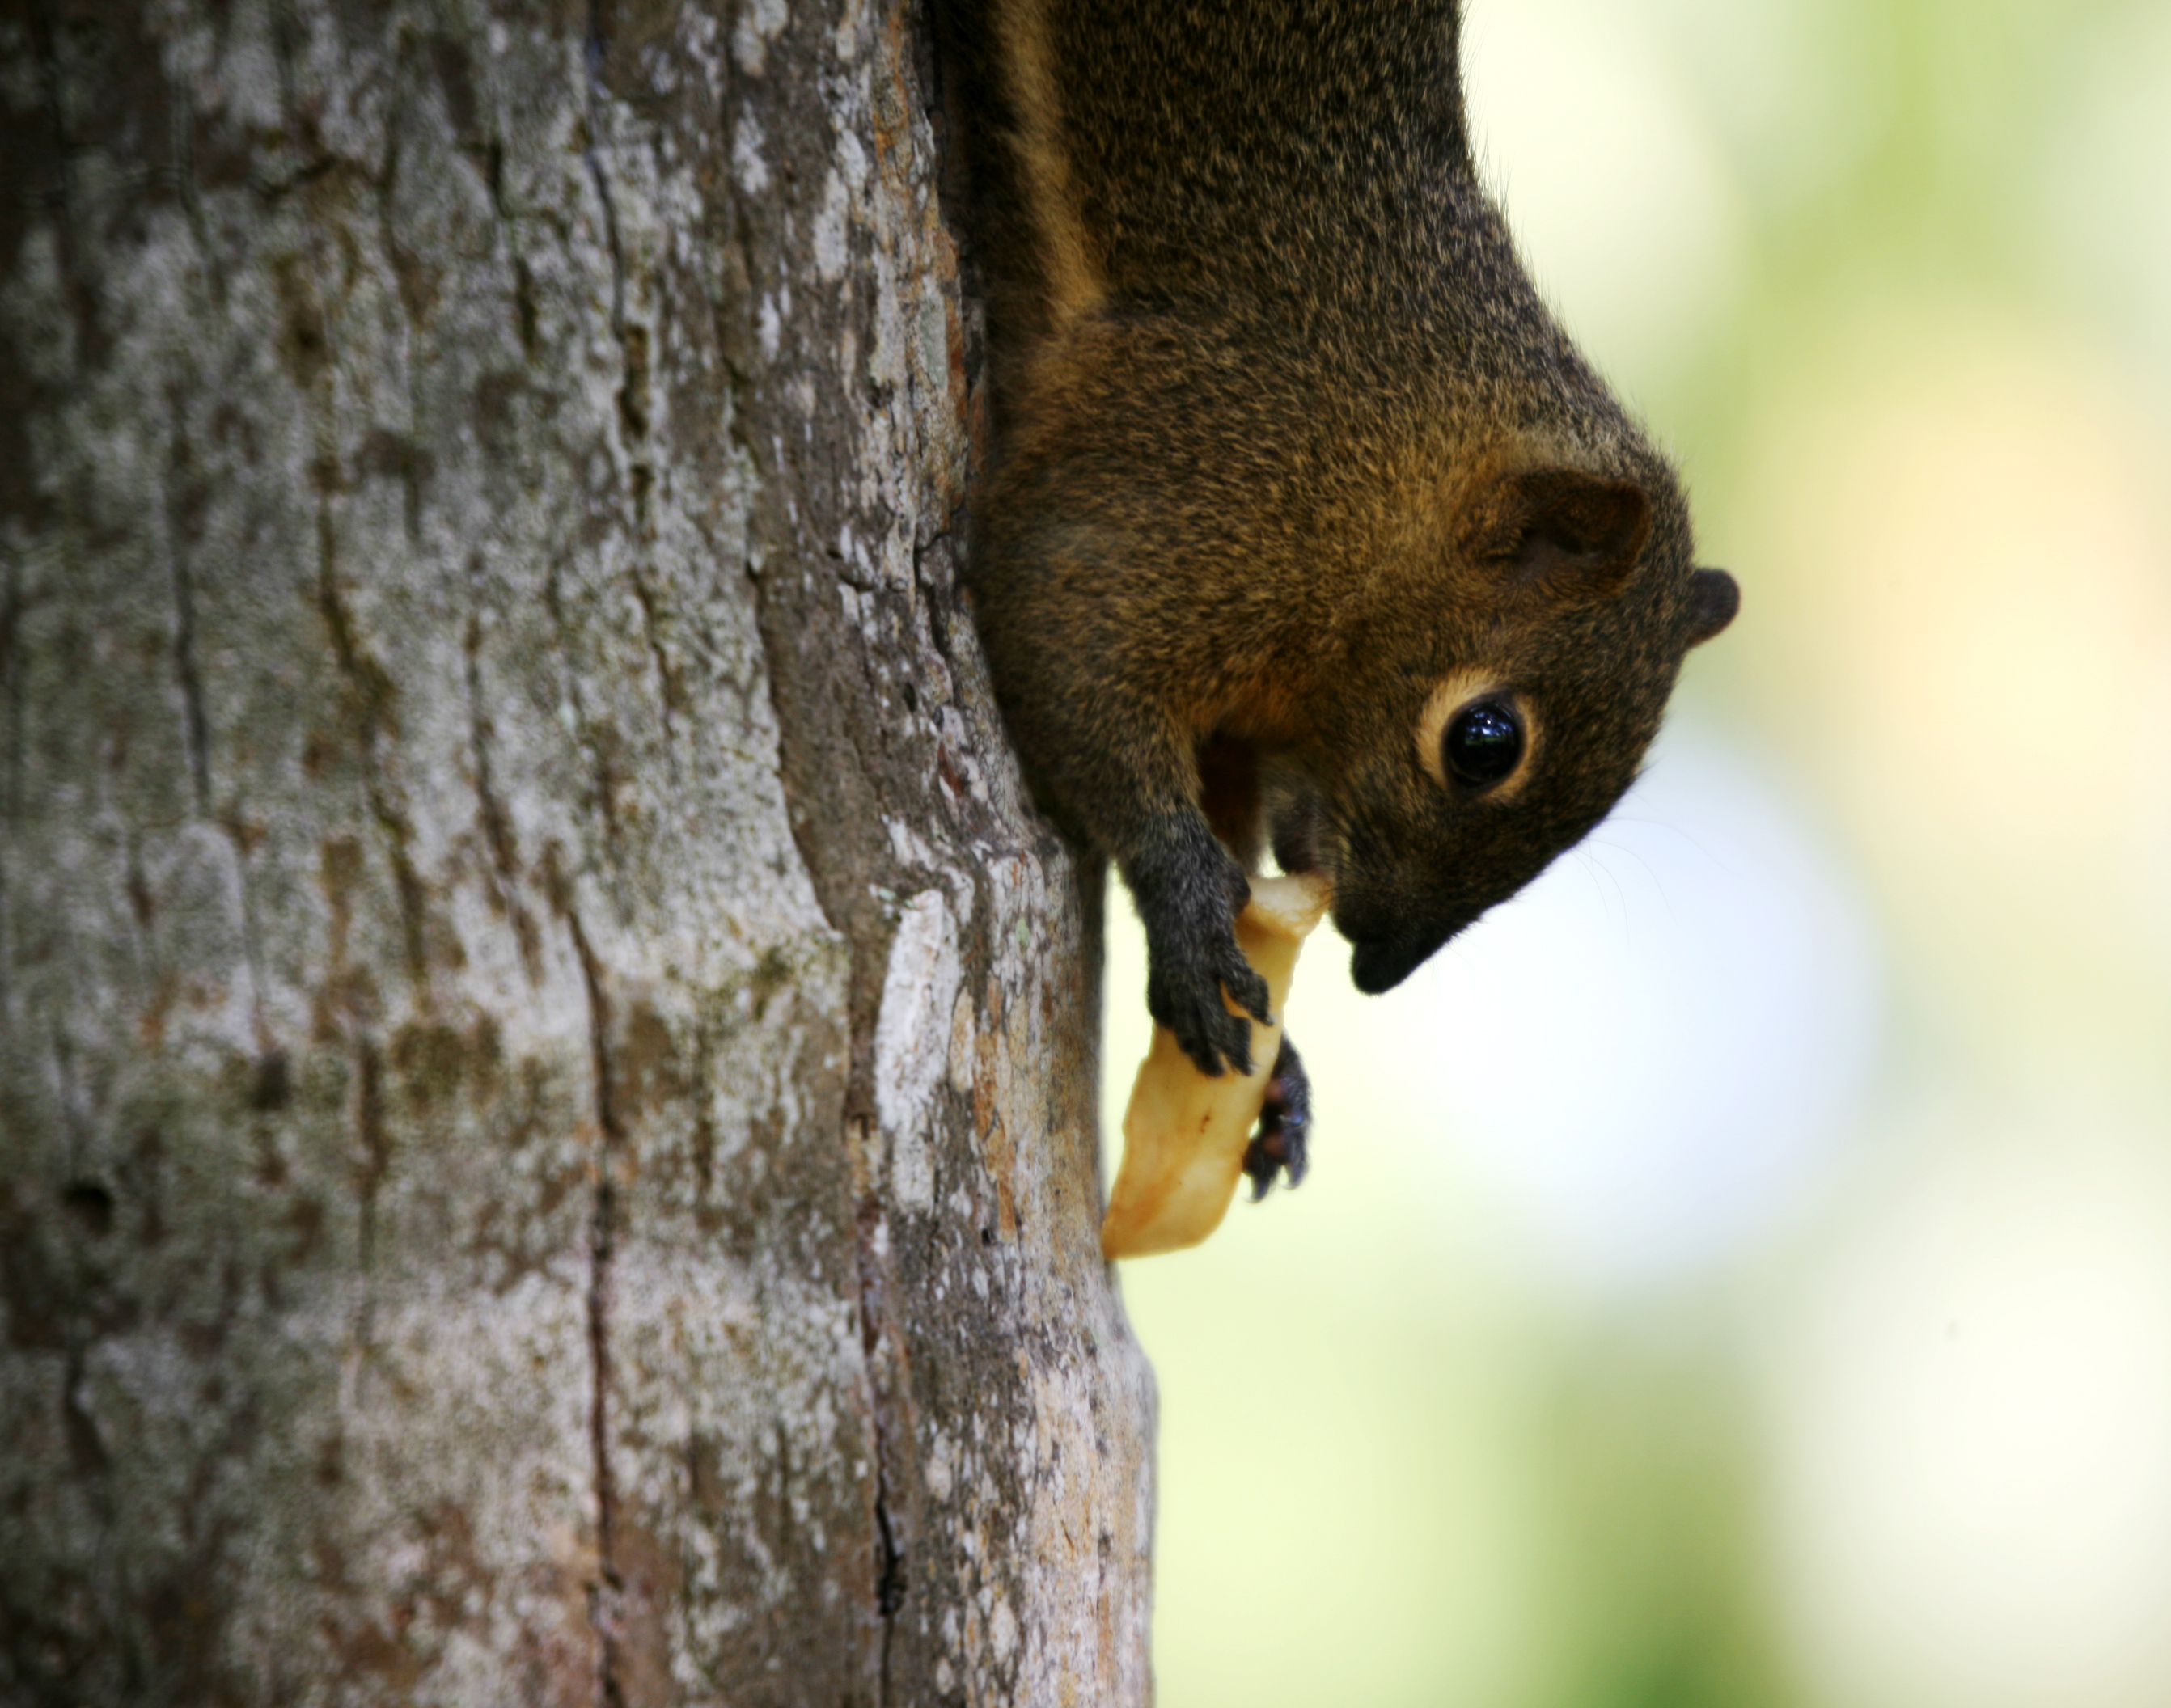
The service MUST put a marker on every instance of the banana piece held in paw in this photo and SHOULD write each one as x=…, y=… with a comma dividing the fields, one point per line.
x=1185, y=1132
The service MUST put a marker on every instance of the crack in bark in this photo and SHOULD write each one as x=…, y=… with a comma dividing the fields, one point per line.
x=374, y=693
x=603, y=1613
x=496, y=827
x=376, y=1147
x=667, y=687
x=71, y=1092
x=195, y=725
x=889, y=1582
x=943, y=604
x=776, y=593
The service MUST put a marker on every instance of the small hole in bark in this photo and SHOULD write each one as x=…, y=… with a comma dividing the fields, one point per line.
x=91, y=1205
x=911, y=698
x=271, y=1089
x=987, y=1236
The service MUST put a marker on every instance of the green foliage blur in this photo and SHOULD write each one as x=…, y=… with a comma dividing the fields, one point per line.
x=1893, y=1429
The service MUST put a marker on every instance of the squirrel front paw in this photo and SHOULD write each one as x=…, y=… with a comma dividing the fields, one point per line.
x=1284, y=1123
x=1184, y=993
x=1189, y=893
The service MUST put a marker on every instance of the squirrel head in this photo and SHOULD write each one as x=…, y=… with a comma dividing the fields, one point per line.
x=1455, y=769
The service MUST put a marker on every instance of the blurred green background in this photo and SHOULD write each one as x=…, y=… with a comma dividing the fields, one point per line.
x=1739, y=1272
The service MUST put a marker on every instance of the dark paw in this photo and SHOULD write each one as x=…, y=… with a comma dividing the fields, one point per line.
x=1189, y=893
x=1184, y=994
x=1284, y=1123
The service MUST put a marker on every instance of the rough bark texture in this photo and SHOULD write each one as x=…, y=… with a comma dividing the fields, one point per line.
x=546, y=1118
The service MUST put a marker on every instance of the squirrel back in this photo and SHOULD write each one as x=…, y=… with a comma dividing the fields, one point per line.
x=1307, y=524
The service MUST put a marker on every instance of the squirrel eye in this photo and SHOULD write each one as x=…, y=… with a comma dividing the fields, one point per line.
x=1483, y=744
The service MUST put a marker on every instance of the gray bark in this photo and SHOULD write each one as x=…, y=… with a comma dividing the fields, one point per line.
x=546, y=1067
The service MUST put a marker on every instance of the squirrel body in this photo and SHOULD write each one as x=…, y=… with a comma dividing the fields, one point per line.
x=1305, y=516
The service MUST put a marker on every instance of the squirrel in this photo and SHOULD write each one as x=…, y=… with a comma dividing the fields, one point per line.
x=1306, y=528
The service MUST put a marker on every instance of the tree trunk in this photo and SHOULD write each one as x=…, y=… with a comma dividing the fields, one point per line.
x=547, y=1118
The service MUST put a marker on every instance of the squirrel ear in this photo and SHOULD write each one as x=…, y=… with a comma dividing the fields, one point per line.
x=1563, y=530
x=1715, y=598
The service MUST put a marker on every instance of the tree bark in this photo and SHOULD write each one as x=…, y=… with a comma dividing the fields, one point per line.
x=547, y=1129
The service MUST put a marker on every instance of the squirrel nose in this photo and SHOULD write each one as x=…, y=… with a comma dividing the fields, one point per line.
x=1379, y=964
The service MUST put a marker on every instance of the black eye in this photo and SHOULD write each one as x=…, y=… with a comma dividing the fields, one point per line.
x=1483, y=744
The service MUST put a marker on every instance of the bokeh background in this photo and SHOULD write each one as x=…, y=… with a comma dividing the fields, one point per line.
x=1739, y=1272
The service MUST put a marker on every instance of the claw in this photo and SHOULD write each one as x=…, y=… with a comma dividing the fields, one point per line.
x=1190, y=1005
x=1219, y=1049
x=1278, y=1147
x=1190, y=893
x=1246, y=989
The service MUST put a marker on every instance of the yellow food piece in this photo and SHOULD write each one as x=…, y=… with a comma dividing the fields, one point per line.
x=1185, y=1133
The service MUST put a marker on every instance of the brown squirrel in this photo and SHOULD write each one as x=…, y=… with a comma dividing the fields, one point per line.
x=1306, y=527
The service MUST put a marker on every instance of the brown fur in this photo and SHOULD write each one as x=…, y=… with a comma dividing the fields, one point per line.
x=1286, y=439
